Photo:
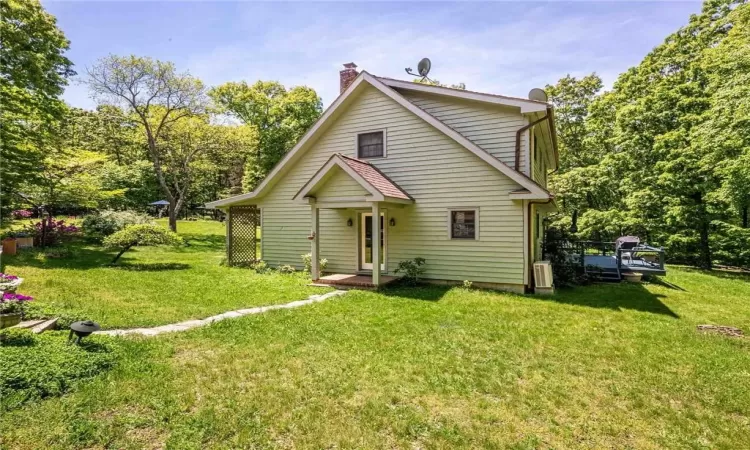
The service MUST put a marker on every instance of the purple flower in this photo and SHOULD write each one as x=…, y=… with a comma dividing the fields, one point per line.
x=11, y=297
x=21, y=214
x=6, y=277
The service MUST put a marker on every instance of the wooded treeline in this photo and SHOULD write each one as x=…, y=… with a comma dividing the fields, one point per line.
x=157, y=133
x=664, y=154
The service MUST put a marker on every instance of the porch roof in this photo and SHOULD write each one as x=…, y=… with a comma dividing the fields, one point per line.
x=375, y=182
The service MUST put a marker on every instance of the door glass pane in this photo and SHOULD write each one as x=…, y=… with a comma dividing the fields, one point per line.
x=368, y=239
x=367, y=250
x=382, y=240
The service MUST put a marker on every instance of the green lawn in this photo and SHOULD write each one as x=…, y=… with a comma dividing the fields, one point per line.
x=605, y=366
x=151, y=286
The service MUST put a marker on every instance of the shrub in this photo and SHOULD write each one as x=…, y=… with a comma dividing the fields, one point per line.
x=468, y=284
x=260, y=267
x=307, y=260
x=21, y=214
x=565, y=271
x=140, y=235
x=10, y=302
x=39, y=366
x=412, y=269
x=50, y=231
x=104, y=223
x=286, y=269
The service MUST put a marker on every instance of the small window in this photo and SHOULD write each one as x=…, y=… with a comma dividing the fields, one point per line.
x=371, y=145
x=463, y=224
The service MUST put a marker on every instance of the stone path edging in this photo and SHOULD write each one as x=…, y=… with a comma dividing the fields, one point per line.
x=190, y=324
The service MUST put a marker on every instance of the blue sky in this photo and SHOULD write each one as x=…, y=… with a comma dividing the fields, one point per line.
x=500, y=47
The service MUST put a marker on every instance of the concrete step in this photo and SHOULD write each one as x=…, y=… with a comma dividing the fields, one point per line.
x=29, y=323
x=44, y=326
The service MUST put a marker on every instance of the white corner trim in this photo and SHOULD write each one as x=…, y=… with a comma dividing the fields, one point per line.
x=526, y=106
x=476, y=222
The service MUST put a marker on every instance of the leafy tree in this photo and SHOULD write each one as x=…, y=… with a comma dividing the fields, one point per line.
x=662, y=154
x=68, y=175
x=277, y=116
x=461, y=86
x=33, y=73
x=158, y=97
x=143, y=235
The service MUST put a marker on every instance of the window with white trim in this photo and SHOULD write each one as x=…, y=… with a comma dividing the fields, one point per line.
x=464, y=224
x=371, y=145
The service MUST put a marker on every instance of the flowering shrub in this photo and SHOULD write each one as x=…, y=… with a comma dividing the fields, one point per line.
x=307, y=260
x=9, y=282
x=21, y=214
x=104, y=223
x=56, y=231
x=6, y=278
x=13, y=303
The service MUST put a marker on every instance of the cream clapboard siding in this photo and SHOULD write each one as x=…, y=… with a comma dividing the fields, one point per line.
x=339, y=184
x=537, y=161
x=491, y=127
x=435, y=170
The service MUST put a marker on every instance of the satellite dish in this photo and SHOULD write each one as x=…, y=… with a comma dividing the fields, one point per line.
x=538, y=95
x=424, y=66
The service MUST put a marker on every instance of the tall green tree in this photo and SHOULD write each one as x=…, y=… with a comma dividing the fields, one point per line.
x=278, y=117
x=158, y=97
x=33, y=74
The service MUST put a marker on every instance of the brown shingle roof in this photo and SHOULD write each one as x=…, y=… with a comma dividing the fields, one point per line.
x=375, y=177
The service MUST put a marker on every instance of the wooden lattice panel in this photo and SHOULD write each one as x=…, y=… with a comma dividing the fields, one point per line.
x=243, y=225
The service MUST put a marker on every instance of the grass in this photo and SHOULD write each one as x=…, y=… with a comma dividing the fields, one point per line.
x=150, y=286
x=605, y=366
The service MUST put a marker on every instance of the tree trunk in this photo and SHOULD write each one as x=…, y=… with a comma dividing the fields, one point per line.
x=172, y=218
x=744, y=217
x=120, y=254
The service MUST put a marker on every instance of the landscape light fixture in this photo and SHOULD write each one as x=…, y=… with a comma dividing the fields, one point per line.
x=81, y=330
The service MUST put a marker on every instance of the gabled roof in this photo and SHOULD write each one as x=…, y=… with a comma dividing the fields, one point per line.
x=525, y=104
x=365, y=78
x=380, y=187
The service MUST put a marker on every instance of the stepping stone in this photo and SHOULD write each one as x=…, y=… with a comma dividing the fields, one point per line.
x=44, y=326
x=28, y=323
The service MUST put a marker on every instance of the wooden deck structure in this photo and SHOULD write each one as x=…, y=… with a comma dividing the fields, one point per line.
x=603, y=260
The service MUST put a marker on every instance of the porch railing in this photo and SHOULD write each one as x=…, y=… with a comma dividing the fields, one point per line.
x=578, y=250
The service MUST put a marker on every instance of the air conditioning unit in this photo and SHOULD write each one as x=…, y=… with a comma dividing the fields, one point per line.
x=543, y=277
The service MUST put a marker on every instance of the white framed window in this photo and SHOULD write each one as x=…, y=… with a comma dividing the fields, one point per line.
x=463, y=224
x=371, y=144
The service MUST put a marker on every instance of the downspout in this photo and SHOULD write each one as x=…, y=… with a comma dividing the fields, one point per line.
x=530, y=243
x=520, y=131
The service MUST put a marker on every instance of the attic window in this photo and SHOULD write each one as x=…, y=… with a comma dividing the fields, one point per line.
x=371, y=145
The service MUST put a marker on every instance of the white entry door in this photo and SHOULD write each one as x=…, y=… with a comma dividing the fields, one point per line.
x=365, y=241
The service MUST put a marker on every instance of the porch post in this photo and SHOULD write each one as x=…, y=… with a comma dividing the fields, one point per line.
x=228, y=222
x=376, y=243
x=315, y=243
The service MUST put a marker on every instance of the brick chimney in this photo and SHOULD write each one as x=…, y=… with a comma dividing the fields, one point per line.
x=347, y=76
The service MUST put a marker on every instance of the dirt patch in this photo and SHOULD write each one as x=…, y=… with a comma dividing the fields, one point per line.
x=727, y=331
